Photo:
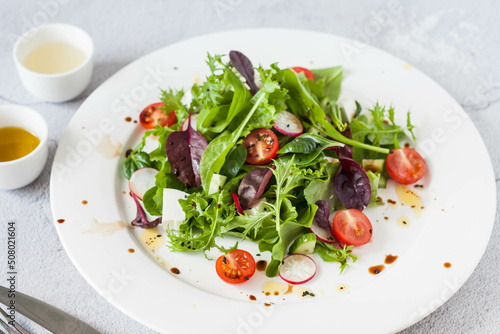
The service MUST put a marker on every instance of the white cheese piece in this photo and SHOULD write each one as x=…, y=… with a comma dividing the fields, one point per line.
x=150, y=144
x=331, y=160
x=259, y=206
x=173, y=215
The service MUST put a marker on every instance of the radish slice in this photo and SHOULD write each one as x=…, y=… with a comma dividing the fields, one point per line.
x=238, y=205
x=322, y=233
x=194, y=121
x=288, y=124
x=297, y=269
x=142, y=180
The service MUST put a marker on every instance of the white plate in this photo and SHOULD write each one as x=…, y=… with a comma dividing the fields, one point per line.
x=450, y=228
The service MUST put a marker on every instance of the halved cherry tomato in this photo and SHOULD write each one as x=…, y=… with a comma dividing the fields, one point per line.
x=405, y=165
x=262, y=145
x=308, y=73
x=235, y=267
x=352, y=227
x=152, y=115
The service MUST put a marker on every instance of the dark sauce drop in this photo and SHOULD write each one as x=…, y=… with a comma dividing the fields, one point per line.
x=175, y=271
x=252, y=297
x=261, y=265
x=84, y=202
x=375, y=270
x=131, y=250
x=128, y=119
x=60, y=221
x=267, y=304
x=390, y=259
x=447, y=265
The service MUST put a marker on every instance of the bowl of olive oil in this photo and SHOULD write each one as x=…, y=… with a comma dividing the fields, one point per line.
x=55, y=61
x=23, y=146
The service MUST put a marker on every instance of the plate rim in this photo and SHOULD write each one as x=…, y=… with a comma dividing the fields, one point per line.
x=249, y=30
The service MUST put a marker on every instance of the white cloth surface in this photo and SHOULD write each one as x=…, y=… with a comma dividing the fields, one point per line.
x=457, y=43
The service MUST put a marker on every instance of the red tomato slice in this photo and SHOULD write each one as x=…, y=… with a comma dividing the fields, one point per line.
x=405, y=165
x=308, y=73
x=152, y=115
x=262, y=146
x=235, y=267
x=352, y=227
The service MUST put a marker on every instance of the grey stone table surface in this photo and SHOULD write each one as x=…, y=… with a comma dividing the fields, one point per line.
x=457, y=43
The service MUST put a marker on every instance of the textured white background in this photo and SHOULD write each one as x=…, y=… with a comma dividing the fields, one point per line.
x=457, y=43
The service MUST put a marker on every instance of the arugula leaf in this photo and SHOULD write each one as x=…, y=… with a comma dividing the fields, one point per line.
x=303, y=104
x=329, y=253
x=378, y=128
x=173, y=101
x=217, y=118
x=206, y=218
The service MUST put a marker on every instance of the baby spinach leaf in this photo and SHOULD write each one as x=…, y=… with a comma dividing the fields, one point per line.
x=135, y=161
x=235, y=159
x=307, y=147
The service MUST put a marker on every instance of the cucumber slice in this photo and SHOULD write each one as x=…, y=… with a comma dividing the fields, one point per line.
x=304, y=244
x=382, y=182
x=216, y=183
x=375, y=165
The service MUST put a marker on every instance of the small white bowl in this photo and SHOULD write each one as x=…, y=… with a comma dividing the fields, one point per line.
x=55, y=87
x=20, y=172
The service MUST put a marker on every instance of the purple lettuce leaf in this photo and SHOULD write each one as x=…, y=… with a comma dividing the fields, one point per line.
x=141, y=220
x=322, y=214
x=184, y=151
x=252, y=186
x=244, y=66
x=352, y=185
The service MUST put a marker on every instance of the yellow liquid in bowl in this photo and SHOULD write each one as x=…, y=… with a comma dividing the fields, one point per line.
x=15, y=143
x=54, y=58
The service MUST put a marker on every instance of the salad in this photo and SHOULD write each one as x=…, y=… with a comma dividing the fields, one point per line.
x=267, y=155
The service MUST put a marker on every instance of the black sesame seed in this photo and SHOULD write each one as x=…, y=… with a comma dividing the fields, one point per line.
x=246, y=278
x=256, y=156
x=182, y=158
x=224, y=260
x=171, y=143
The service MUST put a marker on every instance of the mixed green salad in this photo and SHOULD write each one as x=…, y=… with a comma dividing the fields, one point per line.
x=267, y=160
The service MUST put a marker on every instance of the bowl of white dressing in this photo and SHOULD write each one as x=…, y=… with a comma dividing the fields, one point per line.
x=54, y=61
